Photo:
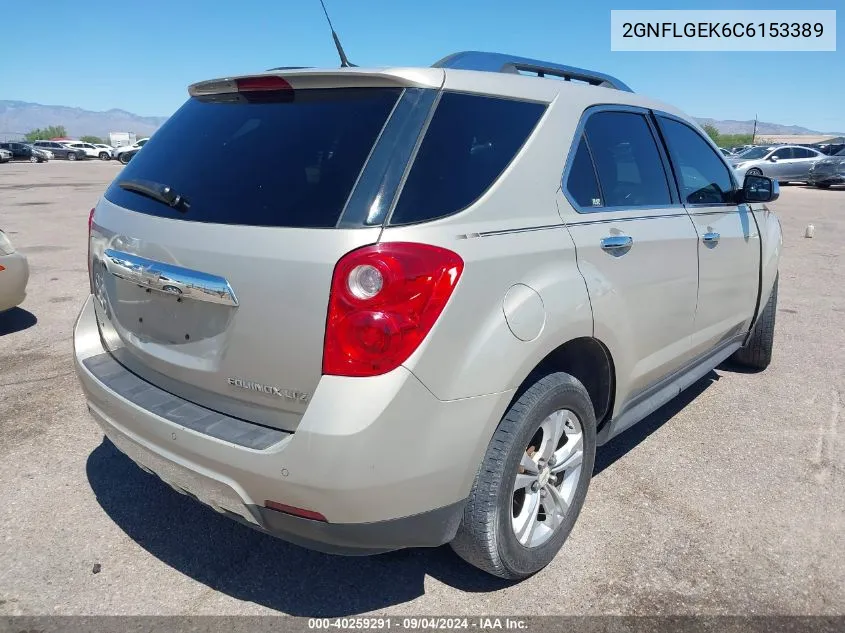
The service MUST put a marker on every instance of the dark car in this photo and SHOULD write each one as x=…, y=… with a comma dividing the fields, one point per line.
x=126, y=156
x=61, y=151
x=25, y=151
x=828, y=171
x=830, y=149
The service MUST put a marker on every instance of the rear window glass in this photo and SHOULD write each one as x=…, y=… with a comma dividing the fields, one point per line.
x=469, y=143
x=285, y=162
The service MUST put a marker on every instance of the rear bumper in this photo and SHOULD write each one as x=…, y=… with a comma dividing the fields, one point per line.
x=13, y=280
x=384, y=461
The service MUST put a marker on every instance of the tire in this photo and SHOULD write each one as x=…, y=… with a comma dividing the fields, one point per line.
x=124, y=159
x=754, y=171
x=486, y=537
x=33, y=159
x=71, y=156
x=757, y=351
x=823, y=185
x=105, y=156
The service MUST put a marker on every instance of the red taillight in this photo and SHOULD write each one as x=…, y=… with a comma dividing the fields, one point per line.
x=90, y=226
x=299, y=512
x=261, y=84
x=384, y=300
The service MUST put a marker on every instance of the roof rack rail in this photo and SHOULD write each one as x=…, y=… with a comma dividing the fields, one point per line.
x=288, y=68
x=501, y=63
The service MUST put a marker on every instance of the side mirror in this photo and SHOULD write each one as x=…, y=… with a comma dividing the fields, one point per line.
x=760, y=189
x=773, y=158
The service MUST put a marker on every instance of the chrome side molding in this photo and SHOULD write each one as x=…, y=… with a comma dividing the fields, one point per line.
x=169, y=279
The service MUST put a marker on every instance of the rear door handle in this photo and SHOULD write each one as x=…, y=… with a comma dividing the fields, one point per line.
x=710, y=238
x=617, y=243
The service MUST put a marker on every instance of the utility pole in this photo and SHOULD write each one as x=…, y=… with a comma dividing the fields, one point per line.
x=754, y=133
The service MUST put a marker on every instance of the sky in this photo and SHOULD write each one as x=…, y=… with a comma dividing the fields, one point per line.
x=140, y=56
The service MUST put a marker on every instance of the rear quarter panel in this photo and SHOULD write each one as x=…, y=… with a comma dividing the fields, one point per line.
x=512, y=235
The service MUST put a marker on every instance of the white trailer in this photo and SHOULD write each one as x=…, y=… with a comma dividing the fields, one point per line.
x=120, y=139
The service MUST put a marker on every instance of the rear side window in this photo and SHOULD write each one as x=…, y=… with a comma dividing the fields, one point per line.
x=703, y=176
x=289, y=161
x=627, y=160
x=470, y=141
x=581, y=183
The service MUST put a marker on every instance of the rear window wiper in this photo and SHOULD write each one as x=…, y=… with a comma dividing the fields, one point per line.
x=158, y=192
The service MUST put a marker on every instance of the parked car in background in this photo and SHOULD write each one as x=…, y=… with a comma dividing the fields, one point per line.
x=14, y=274
x=5, y=155
x=25, y=151
x=125, y=157
x=828, y=171
x=91, y=150
x=429, y=362
x=120, y=152
x=740, y=148
x=106, y=151
x=831, y=149
x=786, y=163
x=61, y=151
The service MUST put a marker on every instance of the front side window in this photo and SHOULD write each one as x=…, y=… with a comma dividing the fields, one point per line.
x=702, y=175
x=627, y=161
x=783, y=153
x=470, y=141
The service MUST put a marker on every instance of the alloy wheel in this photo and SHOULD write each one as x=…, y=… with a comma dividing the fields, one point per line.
x=547, y=478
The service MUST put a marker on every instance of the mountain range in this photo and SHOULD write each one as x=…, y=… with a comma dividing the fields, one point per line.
x=18, y=117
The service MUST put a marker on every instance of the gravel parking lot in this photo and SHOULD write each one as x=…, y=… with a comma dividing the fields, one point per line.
x=728, y=500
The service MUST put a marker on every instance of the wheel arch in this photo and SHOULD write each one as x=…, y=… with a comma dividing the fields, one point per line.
x=771, y=244
x=587, y=359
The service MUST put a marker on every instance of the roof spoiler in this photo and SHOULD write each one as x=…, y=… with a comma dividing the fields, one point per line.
x=501, y=63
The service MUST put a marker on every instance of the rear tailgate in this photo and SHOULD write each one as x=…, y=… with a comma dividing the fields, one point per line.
x=213, y=250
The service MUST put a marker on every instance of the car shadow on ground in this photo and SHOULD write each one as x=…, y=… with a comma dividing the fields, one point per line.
x=16, y=320
x=248, y=565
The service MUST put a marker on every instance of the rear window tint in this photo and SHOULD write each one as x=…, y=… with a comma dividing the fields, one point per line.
x=582, y=184
x=627, y=160
x=285, y=162
x=469, y=143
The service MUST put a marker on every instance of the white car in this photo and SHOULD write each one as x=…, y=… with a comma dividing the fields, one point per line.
x=91, y=150
x=120, y=151
x=108, y=149
x=14, y=273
